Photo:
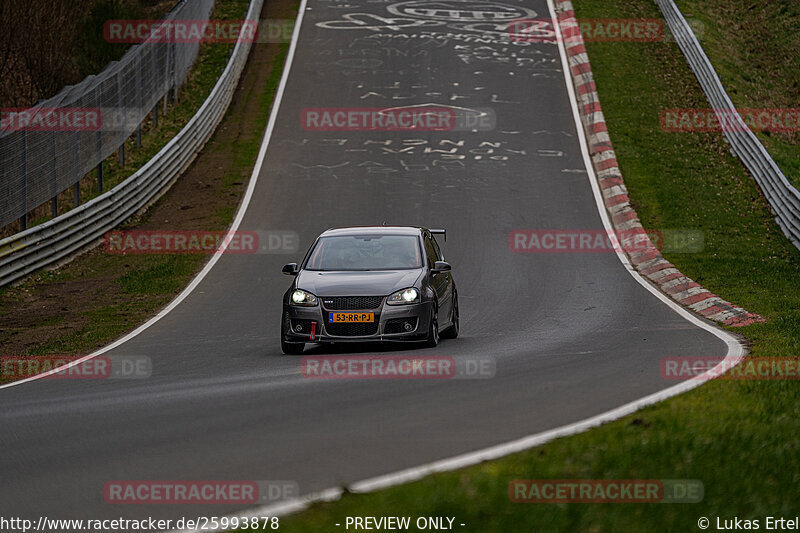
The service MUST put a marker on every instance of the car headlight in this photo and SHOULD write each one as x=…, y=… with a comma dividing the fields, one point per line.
x=404, y=296
x=303, y=298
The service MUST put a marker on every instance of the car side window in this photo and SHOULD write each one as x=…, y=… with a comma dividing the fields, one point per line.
x=430, y=251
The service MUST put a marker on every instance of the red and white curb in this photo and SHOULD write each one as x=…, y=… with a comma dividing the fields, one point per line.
x=650, y=263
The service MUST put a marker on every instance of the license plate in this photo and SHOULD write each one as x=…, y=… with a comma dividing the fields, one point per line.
x=351, y=317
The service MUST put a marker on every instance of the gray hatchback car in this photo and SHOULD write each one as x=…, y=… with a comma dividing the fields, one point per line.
x=367, y=284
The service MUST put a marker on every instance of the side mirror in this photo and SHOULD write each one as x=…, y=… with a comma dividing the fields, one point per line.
x=441, y=266
x=290, y=269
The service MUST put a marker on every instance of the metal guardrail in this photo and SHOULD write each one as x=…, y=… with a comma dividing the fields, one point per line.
x=783, y=198
x=59, y=239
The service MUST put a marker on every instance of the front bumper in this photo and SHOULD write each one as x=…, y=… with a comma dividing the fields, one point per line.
x=390, y=321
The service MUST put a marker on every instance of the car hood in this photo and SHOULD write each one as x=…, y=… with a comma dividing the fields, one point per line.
x=360, y=283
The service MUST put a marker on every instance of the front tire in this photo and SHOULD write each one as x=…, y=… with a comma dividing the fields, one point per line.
x=433, y=328
x=292, y=348
x=452, y=331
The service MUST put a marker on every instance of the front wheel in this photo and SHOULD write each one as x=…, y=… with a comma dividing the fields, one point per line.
x=292, y=348
x=433, y=328
x=452, y=331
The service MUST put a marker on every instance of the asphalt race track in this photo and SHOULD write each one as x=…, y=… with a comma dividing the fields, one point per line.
x=572, y=334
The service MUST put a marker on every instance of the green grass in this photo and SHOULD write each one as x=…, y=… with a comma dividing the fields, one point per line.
x=755, y=49
x=165, y=275
x=738, y=437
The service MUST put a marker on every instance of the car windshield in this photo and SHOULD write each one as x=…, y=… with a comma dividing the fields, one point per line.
x=365, y=252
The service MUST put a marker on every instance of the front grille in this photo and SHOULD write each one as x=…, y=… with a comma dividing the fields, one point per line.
x=397, y=325
x=352, y=330
x=350, y=303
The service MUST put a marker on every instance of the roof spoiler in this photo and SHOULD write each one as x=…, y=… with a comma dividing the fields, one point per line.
x=439, y=232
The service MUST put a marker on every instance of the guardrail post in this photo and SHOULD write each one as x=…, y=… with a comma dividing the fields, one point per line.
x=23, y=220
x=76, y=185
x=122, y=155
x=99, y=166
x=155, y=117
x=54, y=157
x=140, y=117
x=167, y=76
x=76, y=193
